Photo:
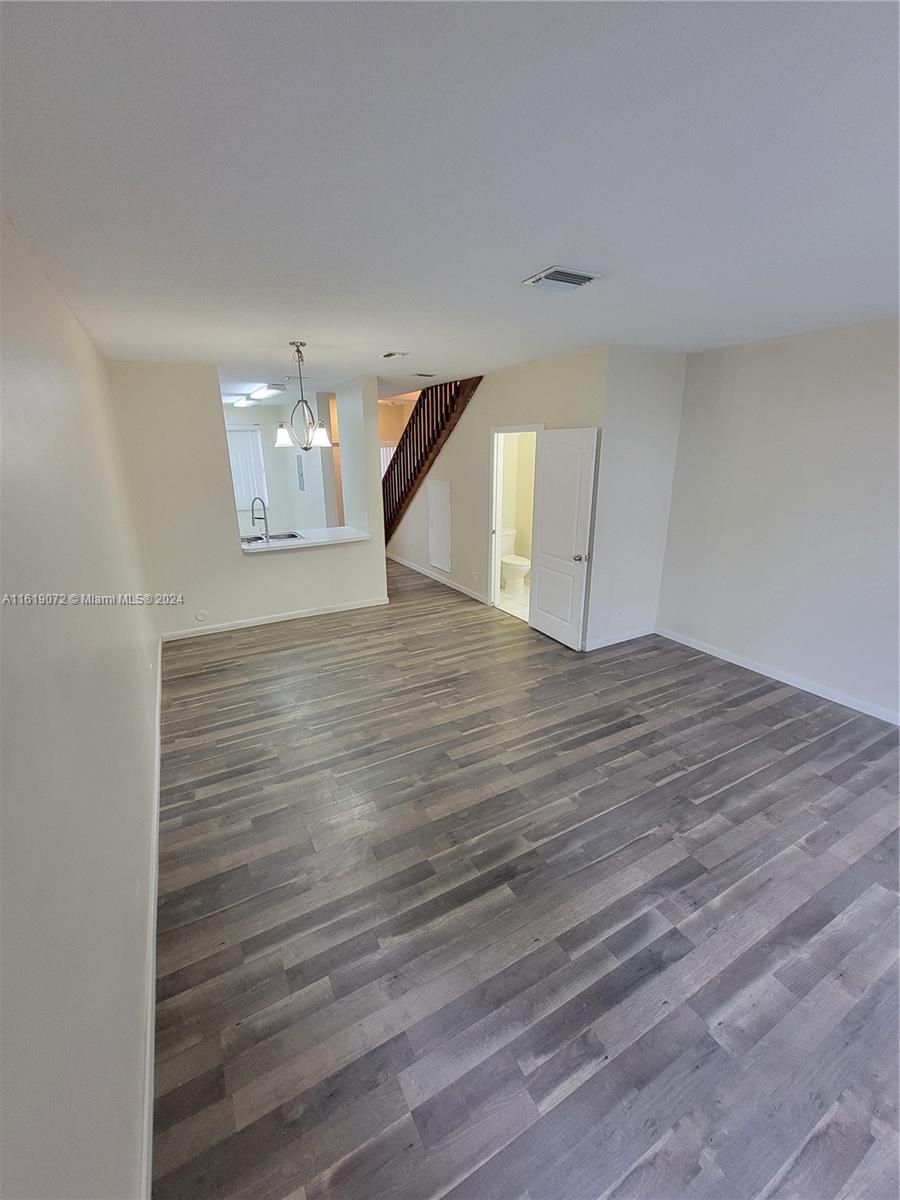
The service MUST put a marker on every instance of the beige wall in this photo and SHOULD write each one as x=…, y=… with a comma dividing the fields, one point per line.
x=508, y=468
x=525, y=493
x=326, y=408
x=567, y=390
x=172, y=434
x=79, y=753
x=516, y=452
x=782, y=548
x=392, y=420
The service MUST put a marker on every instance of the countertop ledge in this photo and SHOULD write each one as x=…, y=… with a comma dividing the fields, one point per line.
x=336, y=536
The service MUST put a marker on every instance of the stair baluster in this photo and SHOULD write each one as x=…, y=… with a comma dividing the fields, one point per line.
x=430, y=424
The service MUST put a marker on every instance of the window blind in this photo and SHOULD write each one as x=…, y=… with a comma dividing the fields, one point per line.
x=248, y=472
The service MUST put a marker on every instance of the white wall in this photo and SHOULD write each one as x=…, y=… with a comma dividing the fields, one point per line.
x=357, y=418
x=782, y=548
x=567, y=390
x=172, y=434
x=79, y=759
x=634, y=487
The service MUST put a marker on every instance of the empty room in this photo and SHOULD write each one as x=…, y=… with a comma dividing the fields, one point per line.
x=449, y=550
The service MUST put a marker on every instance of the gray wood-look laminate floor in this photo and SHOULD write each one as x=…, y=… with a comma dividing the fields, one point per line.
x=447, y=909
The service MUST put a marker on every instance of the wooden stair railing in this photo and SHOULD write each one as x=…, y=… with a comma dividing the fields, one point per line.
x=430, y=424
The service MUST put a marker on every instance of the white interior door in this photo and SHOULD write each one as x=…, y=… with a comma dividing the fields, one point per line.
x=563, y=498
x=438, y=494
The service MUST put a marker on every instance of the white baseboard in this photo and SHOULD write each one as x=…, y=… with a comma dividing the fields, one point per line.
x=200, y=630
x=457, y=587
x=150, y=998
x=806, y=685
x=602, y=643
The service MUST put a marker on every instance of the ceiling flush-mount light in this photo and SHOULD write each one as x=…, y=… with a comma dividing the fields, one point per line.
x=267, y=390
x=560, y=279
x=314, y=432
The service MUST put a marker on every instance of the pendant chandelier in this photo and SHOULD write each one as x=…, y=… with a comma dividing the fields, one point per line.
x=314, y=434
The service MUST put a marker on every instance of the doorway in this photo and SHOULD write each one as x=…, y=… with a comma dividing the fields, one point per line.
x=543, y=483
x=511, y=519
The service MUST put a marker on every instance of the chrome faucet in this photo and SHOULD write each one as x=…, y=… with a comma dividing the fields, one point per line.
x=264, y=518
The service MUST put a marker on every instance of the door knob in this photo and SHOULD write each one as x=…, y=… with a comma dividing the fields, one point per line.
x=576, y=558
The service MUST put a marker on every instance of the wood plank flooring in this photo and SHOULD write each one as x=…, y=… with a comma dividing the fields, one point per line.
x=447, y=909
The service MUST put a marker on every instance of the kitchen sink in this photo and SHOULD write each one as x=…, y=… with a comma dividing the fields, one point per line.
x=256, y=539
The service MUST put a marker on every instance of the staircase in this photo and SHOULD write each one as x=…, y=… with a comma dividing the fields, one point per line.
x=430, y=424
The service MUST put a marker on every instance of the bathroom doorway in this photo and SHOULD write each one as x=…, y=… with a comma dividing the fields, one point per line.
x=512, y=508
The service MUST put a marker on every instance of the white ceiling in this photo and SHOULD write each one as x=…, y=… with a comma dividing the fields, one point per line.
x=208, y=181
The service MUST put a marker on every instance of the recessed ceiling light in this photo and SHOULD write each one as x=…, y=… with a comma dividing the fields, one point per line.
x=560, y=279
x=267, y=389
x=396, y=354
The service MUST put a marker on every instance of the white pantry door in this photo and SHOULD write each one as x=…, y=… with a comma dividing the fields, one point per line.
x=438, y=495
x=563, y=498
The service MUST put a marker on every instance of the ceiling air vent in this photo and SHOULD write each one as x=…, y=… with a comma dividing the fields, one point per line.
x=560, y=279
x=396, y=354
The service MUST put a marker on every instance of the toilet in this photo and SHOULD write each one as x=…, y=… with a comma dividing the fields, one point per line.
x=513, y=567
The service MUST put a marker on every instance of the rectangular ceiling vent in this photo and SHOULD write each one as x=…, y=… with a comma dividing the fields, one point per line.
x=560, y=279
